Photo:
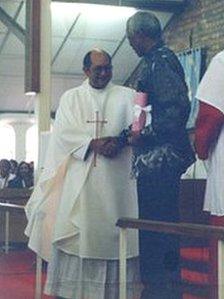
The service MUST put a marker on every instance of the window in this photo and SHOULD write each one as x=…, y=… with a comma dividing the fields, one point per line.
x=32, y=144
x=7, y=137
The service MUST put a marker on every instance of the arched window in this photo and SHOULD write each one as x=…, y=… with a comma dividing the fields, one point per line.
x=32, y=144
x=8, y=141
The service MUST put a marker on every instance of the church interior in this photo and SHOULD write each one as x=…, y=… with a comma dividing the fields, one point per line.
x=42, y=44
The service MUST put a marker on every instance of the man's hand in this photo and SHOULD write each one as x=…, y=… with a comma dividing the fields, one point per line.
x=107, y=146
x=111, y=148
x=96, y=145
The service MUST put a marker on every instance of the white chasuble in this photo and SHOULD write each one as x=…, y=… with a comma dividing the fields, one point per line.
x=211, y=91
x=75, y=205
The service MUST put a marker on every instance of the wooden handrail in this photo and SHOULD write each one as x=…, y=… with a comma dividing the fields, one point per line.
x=10, y=206
x=186, y=229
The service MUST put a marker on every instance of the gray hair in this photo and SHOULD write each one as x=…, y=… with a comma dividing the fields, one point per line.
x=146, y=23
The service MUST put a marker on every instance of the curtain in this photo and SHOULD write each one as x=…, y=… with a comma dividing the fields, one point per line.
x=192, y=62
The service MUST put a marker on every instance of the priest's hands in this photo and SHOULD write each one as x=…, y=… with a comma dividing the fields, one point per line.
x=109, y=147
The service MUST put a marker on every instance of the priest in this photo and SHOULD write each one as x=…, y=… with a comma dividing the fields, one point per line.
x=84, y=188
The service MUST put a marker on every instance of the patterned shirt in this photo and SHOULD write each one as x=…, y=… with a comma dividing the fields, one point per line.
x=165, y=141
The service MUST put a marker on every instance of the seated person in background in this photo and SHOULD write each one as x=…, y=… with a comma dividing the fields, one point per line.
x=24, y=177
x=5, y=175
x=14, y=166
x=31, y=167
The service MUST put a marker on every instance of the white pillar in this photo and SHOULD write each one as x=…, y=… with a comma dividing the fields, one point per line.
x=43, y=99
x=20, y=132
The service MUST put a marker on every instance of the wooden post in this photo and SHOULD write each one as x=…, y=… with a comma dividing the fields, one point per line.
x=7, y=232
x=38, y=288
x=221, y=269
x=123, y=263
x=32, y=46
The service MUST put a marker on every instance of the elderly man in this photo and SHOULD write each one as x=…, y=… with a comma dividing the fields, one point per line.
x=162, y=152
x=84, y=188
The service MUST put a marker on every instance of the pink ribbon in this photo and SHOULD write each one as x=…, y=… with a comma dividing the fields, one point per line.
x=140, y=110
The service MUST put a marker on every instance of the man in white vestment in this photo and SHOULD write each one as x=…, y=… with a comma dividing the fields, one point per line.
x=209, y=143
x=84, y=188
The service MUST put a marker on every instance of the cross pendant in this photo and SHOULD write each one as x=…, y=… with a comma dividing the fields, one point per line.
x=96, y=122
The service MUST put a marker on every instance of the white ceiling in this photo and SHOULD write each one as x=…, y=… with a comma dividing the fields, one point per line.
x=76, y=28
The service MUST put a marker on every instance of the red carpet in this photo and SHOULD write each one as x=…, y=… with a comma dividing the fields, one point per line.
x=207, y=256
x=17, y=275
x=198, y=254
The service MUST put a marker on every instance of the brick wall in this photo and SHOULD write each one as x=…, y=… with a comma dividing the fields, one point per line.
x=201, y=24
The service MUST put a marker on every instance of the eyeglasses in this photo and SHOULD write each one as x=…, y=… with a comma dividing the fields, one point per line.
x=100, y=69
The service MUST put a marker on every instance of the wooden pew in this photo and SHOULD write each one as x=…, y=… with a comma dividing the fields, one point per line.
x=12, y=221
x=182, y=229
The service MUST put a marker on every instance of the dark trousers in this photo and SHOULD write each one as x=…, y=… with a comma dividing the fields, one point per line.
x=159, y=253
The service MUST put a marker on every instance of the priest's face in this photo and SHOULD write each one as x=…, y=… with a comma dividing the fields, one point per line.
x=100, y=71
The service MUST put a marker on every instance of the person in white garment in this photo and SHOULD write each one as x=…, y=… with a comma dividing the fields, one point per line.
x=84, y=188
x=209, y=144
x=209, y=139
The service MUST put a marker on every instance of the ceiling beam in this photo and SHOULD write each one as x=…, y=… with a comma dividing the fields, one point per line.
x=158, y=5
x=14, y=111
x=65, y=39
x=12, y=26
x=32, y=46
x=119, y=46
x=8, y=32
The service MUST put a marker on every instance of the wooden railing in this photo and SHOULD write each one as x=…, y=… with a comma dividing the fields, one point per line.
x=12, y=200
x=184, y=229
x=11, y=207
x=14, y=194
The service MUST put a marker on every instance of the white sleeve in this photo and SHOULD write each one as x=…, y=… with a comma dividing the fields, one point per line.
x=81, y=152
x=211, y=87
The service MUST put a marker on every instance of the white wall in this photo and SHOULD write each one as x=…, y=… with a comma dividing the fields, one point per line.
x=12, y=97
